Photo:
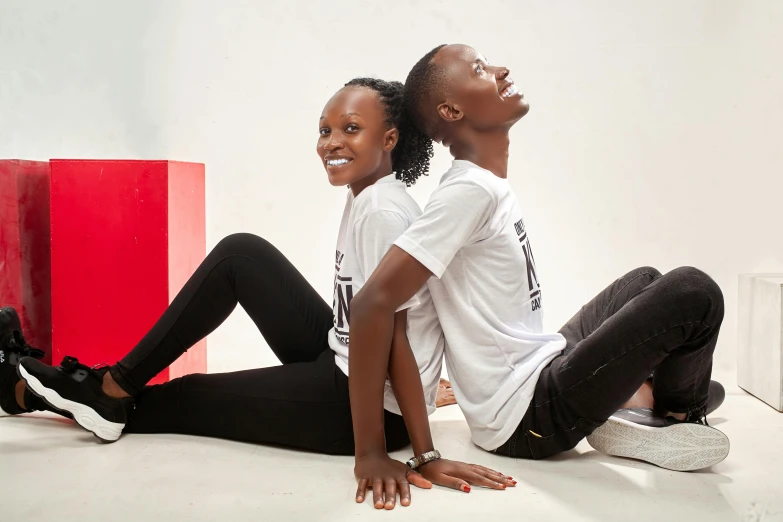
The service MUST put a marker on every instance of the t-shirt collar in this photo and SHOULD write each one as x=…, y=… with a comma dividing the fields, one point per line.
x=463, y=164
x=389, y=178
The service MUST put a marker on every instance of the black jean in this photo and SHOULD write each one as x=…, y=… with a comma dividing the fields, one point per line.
x=642, y=323
x=303, y=404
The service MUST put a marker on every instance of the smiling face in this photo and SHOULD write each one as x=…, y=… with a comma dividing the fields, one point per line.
x=482, y=95
x=355, y=141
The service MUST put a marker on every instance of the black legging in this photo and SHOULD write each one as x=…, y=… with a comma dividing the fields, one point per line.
x=303, y=404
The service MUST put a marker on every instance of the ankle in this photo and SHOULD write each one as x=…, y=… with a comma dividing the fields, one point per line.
x=678, y=416
x=643, y=398
x=19, y=390
x=111, y=388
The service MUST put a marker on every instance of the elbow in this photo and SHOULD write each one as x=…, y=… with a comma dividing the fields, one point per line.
x=368, y=303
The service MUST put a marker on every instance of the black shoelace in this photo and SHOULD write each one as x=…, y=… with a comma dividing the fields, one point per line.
x=16, y=343
x=698, y=417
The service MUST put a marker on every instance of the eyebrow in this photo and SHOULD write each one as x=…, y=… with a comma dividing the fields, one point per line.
x=345, y=115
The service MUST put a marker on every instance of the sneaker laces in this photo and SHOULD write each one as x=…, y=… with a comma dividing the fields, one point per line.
x=18, y=344
x=699, y=416
x=72, y=365
x=35, y=353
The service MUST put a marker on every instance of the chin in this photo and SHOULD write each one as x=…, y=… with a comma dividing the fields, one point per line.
x=337, y=180
x=344, y=179
x=520, y=111
x=524, y=108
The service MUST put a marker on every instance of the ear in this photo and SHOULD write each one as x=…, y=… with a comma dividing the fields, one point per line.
x=450, y=112
x=390, y=139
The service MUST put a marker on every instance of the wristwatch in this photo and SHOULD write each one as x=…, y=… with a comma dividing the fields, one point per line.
x=417, y=462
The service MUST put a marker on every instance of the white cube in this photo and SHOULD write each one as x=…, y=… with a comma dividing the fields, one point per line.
x=760, y=337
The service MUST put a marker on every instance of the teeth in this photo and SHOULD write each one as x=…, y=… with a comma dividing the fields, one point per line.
x=334, y=163
x=511, y=90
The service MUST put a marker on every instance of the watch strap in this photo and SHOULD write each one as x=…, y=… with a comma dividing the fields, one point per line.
x=417, y=462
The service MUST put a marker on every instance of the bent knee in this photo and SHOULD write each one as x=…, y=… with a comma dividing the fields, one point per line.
x=652, y=272
x=694, y=283
x=240, y=243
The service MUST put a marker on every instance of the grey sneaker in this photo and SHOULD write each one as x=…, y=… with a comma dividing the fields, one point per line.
x=639, y=433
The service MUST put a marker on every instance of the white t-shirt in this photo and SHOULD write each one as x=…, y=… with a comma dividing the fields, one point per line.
x=371, y=222
x=471, y=236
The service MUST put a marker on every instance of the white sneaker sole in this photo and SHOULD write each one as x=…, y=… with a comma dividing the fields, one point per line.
x=680, y=447
x=84, y=416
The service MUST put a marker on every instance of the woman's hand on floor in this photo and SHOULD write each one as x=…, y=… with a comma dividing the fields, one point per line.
x=445, y=394
x=386, y=477
x=461, y=476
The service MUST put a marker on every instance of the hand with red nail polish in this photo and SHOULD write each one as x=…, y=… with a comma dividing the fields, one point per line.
x=458, y=475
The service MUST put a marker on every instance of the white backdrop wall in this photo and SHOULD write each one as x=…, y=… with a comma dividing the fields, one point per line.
x=655, y=135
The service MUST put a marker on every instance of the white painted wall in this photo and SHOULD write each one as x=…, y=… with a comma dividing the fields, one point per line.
x=654, y=136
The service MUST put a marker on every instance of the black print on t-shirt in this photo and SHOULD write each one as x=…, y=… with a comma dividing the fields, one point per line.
x=532, y=278
x=343, y=294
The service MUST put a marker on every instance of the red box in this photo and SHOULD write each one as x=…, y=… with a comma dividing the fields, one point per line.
x=125, y=237
x=25, y=282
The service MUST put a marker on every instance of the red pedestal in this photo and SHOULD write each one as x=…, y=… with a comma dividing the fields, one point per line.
x=125, y=237
x=24, y=247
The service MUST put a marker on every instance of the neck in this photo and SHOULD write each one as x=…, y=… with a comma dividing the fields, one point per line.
x=359, y=185
x=488, y=150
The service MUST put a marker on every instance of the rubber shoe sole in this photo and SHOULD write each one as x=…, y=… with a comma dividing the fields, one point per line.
x=680, y=447
x=84, y=416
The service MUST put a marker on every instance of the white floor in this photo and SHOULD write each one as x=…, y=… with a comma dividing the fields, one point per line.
x=53, y=471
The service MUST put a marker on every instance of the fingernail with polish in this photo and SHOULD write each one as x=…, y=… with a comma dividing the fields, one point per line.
x=466, y=488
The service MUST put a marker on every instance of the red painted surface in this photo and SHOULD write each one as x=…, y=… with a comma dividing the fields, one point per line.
x=186, y=224
x=10, y=253
x=112, y=234
x=24, y=247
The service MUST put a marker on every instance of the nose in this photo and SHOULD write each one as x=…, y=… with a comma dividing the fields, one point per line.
x=332, y=143
x=501, y=73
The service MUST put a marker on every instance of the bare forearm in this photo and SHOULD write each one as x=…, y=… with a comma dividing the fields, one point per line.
x=396, y=279
x=371, y=336
x=406, y=383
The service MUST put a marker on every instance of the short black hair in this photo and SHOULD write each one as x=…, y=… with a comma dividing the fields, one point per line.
x=423, y=81
x=411, y=157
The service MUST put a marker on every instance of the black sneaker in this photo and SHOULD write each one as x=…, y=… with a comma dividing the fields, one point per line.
x=716, y=396
x=12, y=348
x=77, y=389
x=639, y=433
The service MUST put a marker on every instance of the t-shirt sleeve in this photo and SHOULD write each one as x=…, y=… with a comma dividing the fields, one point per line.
x=374, y=234
x=455, y=216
